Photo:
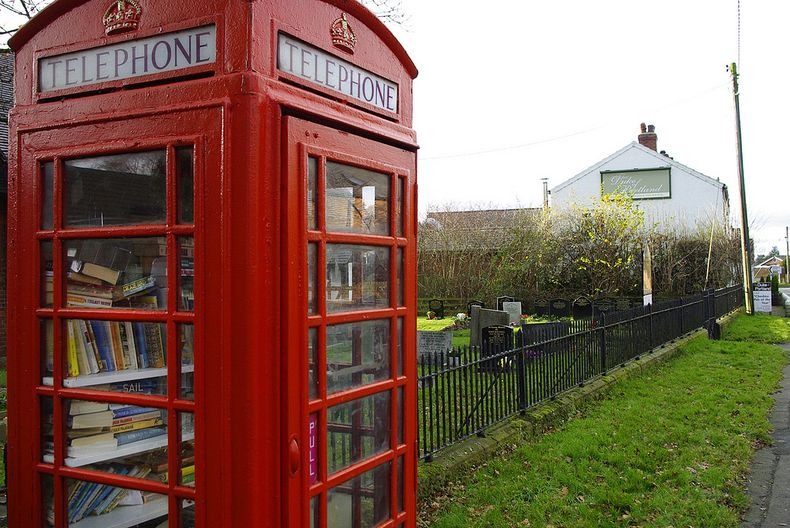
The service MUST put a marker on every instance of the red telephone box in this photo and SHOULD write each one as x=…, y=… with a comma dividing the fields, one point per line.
x=212, y=264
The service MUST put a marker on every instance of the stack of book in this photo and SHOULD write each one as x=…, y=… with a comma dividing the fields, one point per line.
x=107, y=346
x=93, y=286
x=95, y=427
x=91, y=498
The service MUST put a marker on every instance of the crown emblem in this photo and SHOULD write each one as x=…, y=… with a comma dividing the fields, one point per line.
x=121, y=16
x=343, y=36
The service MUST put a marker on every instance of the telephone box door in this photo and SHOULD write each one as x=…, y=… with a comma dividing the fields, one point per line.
x=350, y=253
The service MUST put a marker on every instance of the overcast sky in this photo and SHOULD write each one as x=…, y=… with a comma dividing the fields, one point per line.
x=513, y=91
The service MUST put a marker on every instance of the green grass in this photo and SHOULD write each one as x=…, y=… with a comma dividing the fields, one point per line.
x=433, y=325
x=669, y=448
x=759, y=328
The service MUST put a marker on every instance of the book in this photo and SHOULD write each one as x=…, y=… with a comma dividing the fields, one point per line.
x=128, y=437
x=87, y=301
x=154, y=346
x=85, y=441
x=90, y=346
x=79, y=277
x=104, y=273
x=100, y=290
x=108, y=419
x=72, y=362
x=103, y=345
x=115, y=343
x=129, y=410
x=138, y=286
x=84, y=407
x=129, y=347
x=139, y=340
x=133, y=426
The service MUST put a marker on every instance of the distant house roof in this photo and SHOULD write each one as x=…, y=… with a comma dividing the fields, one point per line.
x=6, y=102
x=661, y=161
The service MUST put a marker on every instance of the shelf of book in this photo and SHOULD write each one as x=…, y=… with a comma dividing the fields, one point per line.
x=125, y=516
x=103, y=455
x=118, y=376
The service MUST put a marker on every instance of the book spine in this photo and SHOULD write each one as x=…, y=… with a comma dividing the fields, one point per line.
x=129, y=437
x=72, y=362
x=142, y=351
x=103, y=345
x=153, y=342
x=117, y=349
x=130, y=411
x=127, y=338
x=82, y=353
x=155, y=413
x=90, y=341
x=133, y=426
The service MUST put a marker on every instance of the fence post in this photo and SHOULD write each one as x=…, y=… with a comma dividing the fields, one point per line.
x=682, y=305
x=651, y=344
x=521, y=377
x=602, y=322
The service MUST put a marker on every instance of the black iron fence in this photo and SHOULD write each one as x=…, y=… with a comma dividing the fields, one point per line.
x=464, y=391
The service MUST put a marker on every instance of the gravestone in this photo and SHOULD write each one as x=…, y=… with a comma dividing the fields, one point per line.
x=500, y=302
x=542, y=307
x=582, y=308
x=559, y=308
x=513, y=309
x=469, y=305
x=622, y=303
x=604, y=306
x=481, y=318
x=495, y=340
x=437, y=307
x=432, y=344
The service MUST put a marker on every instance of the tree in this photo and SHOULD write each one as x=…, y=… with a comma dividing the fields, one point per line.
x=15, y=13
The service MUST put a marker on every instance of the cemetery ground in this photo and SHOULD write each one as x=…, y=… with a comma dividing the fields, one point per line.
x=669, y=448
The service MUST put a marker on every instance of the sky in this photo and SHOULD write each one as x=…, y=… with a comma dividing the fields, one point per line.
x=510, y=92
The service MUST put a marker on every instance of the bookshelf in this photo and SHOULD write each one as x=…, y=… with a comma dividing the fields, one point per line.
x=125, y=516
x=102, y=378
x=134, y=448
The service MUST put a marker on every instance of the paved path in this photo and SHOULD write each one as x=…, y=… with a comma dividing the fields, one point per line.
x=769, y=481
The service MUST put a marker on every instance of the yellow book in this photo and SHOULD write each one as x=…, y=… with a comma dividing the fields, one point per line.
x=185, y=472
x=133, y=426
x=71, y=352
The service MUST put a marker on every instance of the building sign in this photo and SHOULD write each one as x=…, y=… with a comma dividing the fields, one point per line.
x=639, y=184
x=132, y=58
x=321, y=68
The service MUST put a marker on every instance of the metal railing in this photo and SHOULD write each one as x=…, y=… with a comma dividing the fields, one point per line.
x=464, y=391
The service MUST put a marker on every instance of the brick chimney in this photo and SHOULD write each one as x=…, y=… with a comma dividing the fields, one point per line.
x=648, y=137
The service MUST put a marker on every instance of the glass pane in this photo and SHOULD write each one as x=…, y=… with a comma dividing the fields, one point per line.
x=99, y=435
x=357, y=354
x=399, y=264
x=186, y=184
x=400, y=346
x=47, y=192
x=357, y=430
x=315, y=511
x=187, y=514
x=312, y=274
x=47, y=430
x=362, y=502
x=399, y=187
x=400, y=483
x=47, y=275
x=114, y=506
x=116, y=273
x=312, y=176
x=357, y=277
x=186, y=265
x=48, y=500
x=187, y=453
x=119, y=356
x=357, y=200
x=400, y=415
x=312, y=363
x=186, y=352
x=121, y=189
x=47, y=343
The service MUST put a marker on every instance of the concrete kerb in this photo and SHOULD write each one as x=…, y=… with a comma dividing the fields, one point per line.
x=458, y=460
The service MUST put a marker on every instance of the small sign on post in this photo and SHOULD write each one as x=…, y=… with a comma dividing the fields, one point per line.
x=762, y=297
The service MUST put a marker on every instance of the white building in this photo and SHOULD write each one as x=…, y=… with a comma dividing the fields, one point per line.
x=670, y=194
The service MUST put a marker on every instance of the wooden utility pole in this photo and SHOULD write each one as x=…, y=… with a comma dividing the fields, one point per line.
x=746, y=249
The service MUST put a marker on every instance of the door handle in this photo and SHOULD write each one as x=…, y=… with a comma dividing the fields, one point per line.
x=294, y=456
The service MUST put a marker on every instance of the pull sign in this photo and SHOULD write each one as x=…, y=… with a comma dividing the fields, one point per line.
x=170, y=52
x=312, y=437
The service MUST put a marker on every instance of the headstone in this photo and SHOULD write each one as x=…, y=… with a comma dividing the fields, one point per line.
x=582, y=308
x=437, y=307
x=513, y=309
x=481, y=318
x=762, y=297
x=431, y=344
x=495, y=339
x=622, y=303
x=542, y=307
x=500, y=302
x=604, y=306
x=469, y=305
x=559, y=308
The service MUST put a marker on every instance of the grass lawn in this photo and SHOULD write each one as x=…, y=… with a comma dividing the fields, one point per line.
x=433, y=325
x=669, y=448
